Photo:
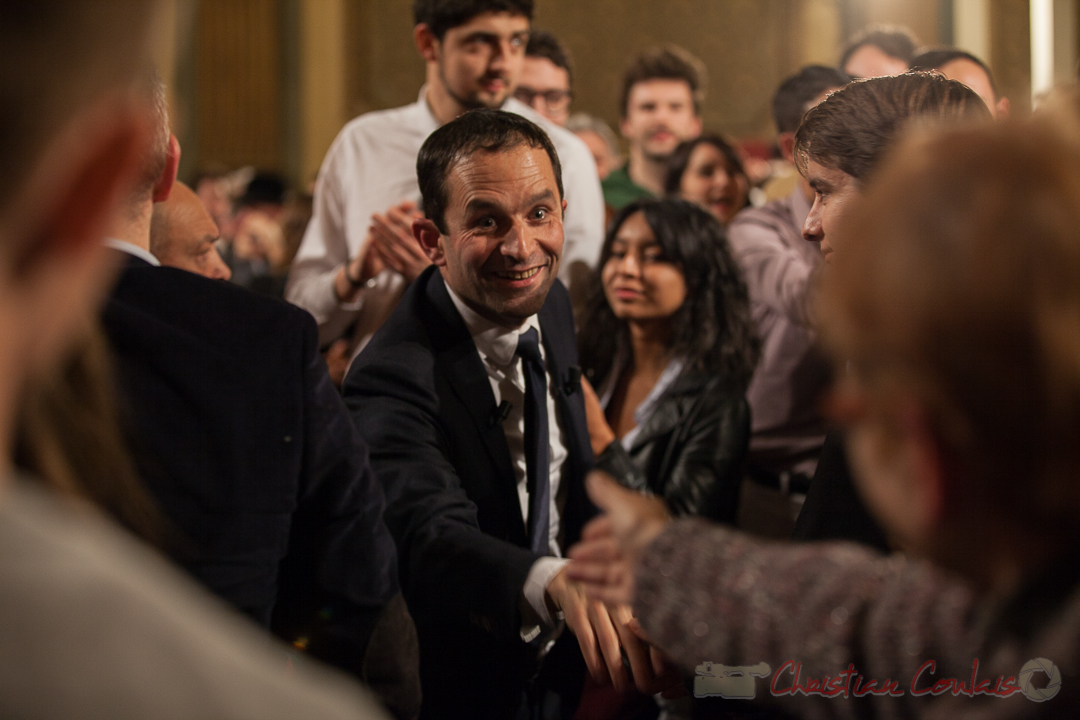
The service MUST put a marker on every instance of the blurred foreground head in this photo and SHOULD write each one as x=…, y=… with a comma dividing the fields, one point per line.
x=72, y=135
x=955, y=309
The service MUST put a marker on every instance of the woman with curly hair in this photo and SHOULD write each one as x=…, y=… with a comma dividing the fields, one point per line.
x=668, y=342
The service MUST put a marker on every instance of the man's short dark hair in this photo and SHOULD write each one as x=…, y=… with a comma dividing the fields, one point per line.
x=894, y=40
x=795, y=93
x=668, y=62
x=476, y=131
x=940, y=57
x=851, y=129
x=443, y=15
x=543, y=44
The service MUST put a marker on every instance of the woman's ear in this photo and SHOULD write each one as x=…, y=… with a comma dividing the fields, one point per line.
x=431, y=240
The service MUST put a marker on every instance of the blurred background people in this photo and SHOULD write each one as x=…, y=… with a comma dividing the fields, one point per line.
x=708, y=171
x=779, y=267
x=183, y=235
x=599, y=138
x=660, y=106
x=879, y=51
x=966, y=68
x=546, y=77
x=668, y=342
x=795, y=95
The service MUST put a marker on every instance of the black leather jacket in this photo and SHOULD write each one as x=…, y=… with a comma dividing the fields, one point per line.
x=690, y=451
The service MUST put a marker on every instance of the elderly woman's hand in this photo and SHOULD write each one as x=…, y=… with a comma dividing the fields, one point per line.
x=610, y=546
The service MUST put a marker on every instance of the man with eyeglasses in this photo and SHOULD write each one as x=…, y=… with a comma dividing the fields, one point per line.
x=545, y=79
x=358, y=253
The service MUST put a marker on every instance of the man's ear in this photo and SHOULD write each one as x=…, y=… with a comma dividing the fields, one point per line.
x=164, y=184
x=786, y=142
x=564, y=208
x=697, y=125
x=1002, y=108
x=426, y=42
x=430, y=238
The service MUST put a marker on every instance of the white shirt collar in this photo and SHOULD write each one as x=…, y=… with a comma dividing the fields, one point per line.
x=495, y=343
x=130, y=249
x=429, y=123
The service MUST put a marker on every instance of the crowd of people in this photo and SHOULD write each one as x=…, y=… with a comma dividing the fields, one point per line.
x=496, y=425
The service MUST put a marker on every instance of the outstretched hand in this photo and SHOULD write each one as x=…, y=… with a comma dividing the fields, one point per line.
x=605, y=559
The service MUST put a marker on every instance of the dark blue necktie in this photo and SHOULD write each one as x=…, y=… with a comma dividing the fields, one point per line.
x=537, y=440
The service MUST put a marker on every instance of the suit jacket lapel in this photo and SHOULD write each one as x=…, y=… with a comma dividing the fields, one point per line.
x=560, y=351
x=468, y=378
x=671, y=410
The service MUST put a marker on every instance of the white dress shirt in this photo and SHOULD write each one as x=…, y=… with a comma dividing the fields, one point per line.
x=131, y=249
x=497, y=346
x=370, y=168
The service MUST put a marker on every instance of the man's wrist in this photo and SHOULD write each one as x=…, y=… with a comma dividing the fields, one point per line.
x=537, y=585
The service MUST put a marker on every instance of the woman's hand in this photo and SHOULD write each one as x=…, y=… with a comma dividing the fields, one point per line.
x=600, y=433
x=605, y=559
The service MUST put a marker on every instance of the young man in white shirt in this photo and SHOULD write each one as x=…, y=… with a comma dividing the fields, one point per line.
x=359, y=253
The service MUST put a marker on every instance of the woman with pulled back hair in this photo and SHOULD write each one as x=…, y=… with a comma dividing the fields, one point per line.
x=668, y=343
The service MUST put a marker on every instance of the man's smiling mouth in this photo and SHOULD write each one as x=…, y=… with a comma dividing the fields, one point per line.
x=524, y=275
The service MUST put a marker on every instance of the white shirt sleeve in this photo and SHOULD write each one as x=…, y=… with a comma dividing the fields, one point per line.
x=324, y=250
x=540, y=576
x=583, y=225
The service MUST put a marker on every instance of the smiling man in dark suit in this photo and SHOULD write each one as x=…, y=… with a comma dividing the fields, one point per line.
x=471, y=402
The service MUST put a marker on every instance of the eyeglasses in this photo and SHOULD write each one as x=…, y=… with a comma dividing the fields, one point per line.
x=553, y=99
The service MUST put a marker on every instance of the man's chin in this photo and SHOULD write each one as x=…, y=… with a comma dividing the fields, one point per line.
x=490, y=101
x=517, y=308
x=660, y=153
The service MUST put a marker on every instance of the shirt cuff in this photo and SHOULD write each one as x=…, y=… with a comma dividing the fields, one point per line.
x=535, y=591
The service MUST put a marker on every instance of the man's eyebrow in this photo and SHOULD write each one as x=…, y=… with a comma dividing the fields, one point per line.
x=482, y=36
x=541, y=197
x=479, y=204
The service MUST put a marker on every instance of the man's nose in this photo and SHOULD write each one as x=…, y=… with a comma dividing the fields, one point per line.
x=500, y=51
x=518, y=244
x=218, y=267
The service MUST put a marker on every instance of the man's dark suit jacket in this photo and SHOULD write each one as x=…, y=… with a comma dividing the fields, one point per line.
x=251, y=455
x=833, y=509
x=421, y=397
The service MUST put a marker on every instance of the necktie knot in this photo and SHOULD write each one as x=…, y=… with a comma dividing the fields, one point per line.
x=528, y=347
